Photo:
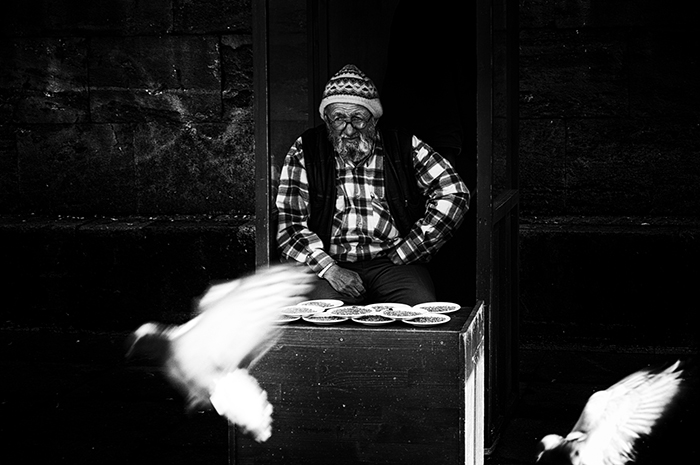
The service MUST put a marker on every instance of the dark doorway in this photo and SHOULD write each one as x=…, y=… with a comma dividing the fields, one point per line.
x=438, y=66
x=428, y=88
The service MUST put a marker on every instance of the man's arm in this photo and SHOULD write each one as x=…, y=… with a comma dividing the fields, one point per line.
x=296, y=241
x=447, y=203
x=294, y=238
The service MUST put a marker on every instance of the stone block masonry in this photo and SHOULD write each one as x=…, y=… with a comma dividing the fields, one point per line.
x=609, y=171
x=609, y=109
x=112, y=274
x=126, y=108
x=143, y=109
x=626, y=280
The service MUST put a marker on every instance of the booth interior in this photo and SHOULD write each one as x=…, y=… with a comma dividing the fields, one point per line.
x=375, y=394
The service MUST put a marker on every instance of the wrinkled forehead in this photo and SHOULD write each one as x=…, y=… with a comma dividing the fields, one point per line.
x=347, y=109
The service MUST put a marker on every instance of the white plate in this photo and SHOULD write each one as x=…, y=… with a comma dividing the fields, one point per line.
x=428, y=320
x=350, y=311
x=438, y=307
x=323, y=319
x=323, y=303
x=388, y=306
x=284, y=319
x=300, y=310
x=379, y=320
x=401, y=314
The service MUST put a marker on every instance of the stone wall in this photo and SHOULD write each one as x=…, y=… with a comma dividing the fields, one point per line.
x=142, y=111
x=112, y=274
x=129, y=107
x=610, y=169
x=609, y=108
x=126, y=158
x=126, y=107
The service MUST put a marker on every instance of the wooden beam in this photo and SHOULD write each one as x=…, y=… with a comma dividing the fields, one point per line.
x=504, y=203
x=261, y=88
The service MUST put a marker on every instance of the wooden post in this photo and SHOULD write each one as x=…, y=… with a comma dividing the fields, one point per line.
x=261, y=88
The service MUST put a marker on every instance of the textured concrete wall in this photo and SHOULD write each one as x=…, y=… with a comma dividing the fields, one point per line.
x=126, y=107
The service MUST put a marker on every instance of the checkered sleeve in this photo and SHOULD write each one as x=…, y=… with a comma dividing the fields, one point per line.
x=447, y=203
x=295, y=240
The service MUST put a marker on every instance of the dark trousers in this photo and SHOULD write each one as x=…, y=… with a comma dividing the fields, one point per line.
x=384, y=283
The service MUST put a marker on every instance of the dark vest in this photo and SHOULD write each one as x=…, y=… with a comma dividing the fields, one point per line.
x=405, y=199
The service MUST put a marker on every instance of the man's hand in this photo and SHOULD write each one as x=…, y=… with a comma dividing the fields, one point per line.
x=345, y=281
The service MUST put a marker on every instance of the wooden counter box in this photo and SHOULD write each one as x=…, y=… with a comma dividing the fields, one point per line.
x=353, y=394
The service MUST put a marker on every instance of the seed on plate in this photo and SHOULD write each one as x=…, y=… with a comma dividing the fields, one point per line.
x=402, y=313
x=374, y=318
x=298, y=310
x=427, y=319
x=349, y=311
x=438, y=308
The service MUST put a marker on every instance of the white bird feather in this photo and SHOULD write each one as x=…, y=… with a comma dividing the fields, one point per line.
x=613, y=419
x=207, y=358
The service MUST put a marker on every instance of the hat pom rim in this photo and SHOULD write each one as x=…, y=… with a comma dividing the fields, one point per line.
x=374, y=106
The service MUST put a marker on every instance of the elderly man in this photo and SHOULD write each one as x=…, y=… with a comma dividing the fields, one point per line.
x=365, y=207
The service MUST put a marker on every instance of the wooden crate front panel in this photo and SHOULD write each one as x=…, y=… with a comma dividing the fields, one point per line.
x=349, y=394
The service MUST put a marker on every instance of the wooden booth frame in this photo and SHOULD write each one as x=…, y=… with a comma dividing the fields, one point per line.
x=391, y=395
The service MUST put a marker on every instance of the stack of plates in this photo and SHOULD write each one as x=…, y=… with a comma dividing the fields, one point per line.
x=331, y=311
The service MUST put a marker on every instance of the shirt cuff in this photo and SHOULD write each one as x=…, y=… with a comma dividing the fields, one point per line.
x=319, y=261
x=323, y=271
x=396, y=257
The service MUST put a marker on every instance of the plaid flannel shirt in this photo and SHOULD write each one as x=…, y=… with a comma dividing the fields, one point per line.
x=362, y=226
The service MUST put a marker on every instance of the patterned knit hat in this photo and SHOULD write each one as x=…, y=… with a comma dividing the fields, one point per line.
x=350, y=85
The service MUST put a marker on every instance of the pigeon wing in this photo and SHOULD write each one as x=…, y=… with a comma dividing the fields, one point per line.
x=615, y=418
x=237, y=322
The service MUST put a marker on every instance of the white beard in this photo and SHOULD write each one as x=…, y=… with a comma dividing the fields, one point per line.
x=353, y=149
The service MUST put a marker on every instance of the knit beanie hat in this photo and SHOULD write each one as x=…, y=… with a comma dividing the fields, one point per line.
x=350, y=85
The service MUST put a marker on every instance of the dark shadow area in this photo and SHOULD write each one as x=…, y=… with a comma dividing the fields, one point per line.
x=429, y=89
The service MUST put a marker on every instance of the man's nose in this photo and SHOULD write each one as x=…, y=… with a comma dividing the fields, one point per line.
x=349, y=129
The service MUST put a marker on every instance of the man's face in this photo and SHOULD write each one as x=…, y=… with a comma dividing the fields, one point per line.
x=351, y=129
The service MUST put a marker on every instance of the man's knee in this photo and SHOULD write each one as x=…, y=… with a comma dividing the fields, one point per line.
x=408, y=284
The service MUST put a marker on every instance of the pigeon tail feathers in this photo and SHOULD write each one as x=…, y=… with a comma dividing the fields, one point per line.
x=238, y=397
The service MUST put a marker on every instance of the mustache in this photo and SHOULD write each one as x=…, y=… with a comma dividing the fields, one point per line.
x=360, y=145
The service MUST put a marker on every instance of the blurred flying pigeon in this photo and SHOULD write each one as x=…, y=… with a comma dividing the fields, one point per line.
x=614, y=419
x=208, y=357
